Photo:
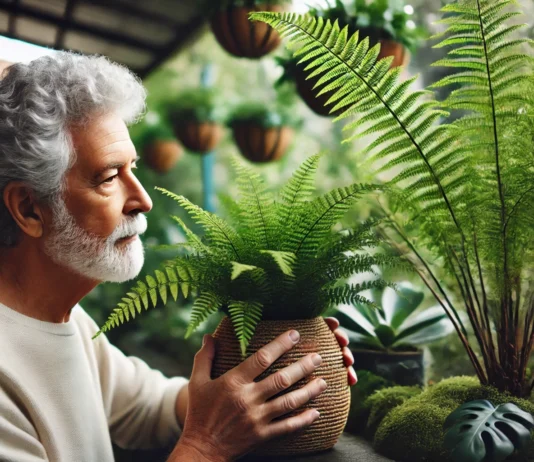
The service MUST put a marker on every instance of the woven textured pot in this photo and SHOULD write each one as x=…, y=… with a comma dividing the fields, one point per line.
x=199, y=137
x=333, y=403
x=244, y=38
x=162, y=155
x=260, y=144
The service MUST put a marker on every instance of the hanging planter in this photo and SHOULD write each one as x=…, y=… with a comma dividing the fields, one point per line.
x=199, y=137
x=160, y=148
x=261, y=133
x=197, y=119
x=161, y=155
x=384, y=23
x=241, y=37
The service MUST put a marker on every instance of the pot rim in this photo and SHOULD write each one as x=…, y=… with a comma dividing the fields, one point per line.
x=419, y=352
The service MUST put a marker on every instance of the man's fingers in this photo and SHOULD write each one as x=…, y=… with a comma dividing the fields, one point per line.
x=203, y=361
x=333, y=323
x=292, y=424
x=353, y=379
x=348, y=358
x=288, y=376
x=342, y=337
x=292, y=401
x=257, y=363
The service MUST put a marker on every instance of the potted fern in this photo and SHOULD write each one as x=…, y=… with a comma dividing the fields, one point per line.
x=462, y=212
x=276, y=265
x=262, y=133
x=239, y=37
x=197, y=117
x=388, y=22
x=385, y=337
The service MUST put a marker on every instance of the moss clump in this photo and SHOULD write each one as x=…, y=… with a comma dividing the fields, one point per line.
x=413, y=431
x=383, y=401
x=367, y=384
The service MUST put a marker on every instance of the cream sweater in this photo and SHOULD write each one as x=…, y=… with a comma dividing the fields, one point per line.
x=65, y=397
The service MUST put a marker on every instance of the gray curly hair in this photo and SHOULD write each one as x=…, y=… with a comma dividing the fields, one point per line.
x=39, y=101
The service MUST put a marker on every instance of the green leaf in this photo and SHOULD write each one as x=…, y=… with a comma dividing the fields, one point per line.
x=240, y=268
x=245, y=316
x=399, y=305
x=284, y=260
x=477, y=431
x=205, y=305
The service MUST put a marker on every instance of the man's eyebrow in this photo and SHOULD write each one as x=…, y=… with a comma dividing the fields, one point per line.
x=111, y=166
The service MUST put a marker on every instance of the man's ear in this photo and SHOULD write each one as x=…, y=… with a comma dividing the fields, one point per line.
x=24, y=209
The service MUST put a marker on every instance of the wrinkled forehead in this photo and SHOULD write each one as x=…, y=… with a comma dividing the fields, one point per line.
x=103, y=139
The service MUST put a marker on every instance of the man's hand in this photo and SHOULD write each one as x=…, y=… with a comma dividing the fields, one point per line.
x=343, y=341
x=231, y=415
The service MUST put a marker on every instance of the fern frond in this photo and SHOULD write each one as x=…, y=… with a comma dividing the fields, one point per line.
x=284, y=260
x=239, y=268
x=318, y=217
x=168, y=278
x=245, y=316
x=298, y=189
x=192, y=239
x=256, y=204
x=369, y=90
x=205, y=305
x=217, y=230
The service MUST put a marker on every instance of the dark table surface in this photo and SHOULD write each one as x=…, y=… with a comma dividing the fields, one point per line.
x=349, y=448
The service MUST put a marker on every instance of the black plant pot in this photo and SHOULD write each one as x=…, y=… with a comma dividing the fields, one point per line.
x=404, y=368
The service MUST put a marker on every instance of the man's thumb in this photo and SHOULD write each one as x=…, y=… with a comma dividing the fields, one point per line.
x=204, y=361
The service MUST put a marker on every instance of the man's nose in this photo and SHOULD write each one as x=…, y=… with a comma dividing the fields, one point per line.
x=138, y=199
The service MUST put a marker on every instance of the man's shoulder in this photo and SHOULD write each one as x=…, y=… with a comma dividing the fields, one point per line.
x=84, y=321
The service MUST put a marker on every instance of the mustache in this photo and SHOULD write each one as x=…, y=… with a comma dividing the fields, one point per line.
x=129, y=227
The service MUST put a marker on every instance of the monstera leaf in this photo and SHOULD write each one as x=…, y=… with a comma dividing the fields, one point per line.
x=477, y=431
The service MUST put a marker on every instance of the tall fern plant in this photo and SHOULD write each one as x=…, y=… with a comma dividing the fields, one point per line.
x=274, y=259
x=466, y=186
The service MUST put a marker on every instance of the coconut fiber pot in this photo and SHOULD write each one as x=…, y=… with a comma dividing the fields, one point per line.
x=260, y=144
x=162, y=155
x=199, y=137
x=244, y=38
x=333, y=403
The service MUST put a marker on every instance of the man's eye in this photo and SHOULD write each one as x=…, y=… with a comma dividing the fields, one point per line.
x=110, y=179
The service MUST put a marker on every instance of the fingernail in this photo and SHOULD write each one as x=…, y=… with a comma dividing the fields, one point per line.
x=322, y=384
x=317, y=360
x=294, y=336
x=317, y=414
x=204, y=339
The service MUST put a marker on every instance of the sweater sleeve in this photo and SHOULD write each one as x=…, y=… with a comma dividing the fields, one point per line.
x=18, y=439
x=140, y=402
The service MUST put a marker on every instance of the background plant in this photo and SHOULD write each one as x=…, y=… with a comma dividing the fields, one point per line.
x=196, y=105
x=382, y=19
x=392, y=323
x=465, y=186
x=264, y=114
x=275, y=259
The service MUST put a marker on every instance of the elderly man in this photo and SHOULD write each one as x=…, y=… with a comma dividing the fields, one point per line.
x=71, y=214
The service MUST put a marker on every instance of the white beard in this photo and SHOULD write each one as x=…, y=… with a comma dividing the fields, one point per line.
x=92, y=256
